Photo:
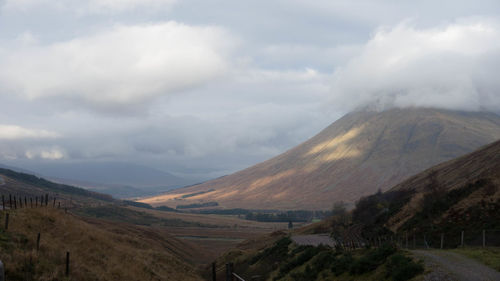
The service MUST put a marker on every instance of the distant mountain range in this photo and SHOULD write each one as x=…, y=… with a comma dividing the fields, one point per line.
x=121, y=180
x=357, y=155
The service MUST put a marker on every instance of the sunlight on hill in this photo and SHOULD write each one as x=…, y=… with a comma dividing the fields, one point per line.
x=335, y=143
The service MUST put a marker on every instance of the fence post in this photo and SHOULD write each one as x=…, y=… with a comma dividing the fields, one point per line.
x=10, y=201
x=38, y=242
x=3, y=202
x=462, y=239
x=31, y=202
x=229, y=272
x=54, y=204
x=6, y=221
x=15, y=203
x=25, y=202
x=484, y=238
x=2, y=272
x=442, y=240
x=214, y=272
x=46, y=199
x=67, y=263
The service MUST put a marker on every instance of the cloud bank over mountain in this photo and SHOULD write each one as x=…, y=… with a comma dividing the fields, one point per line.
x=451, y=66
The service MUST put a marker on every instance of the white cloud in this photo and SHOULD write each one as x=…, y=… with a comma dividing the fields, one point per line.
x=13, y=132
x=452, y=66
x=121, y=66
x=53, y=153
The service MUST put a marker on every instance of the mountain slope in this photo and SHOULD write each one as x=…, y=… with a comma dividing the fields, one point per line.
x=30, y=186
x=473, y=178
x=356, y=155
x=99, y=250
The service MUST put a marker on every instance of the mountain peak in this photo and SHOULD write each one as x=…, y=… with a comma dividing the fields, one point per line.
x=356, y=155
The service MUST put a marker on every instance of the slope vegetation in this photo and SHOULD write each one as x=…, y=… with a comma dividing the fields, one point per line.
x=355, y=156
x=99, y=250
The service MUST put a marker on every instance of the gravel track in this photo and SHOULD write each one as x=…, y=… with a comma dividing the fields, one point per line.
x=448, y=266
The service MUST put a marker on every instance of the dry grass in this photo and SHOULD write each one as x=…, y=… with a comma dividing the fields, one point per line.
x=99, y=250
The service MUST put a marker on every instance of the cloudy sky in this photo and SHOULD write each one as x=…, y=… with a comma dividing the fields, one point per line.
x=204, y=88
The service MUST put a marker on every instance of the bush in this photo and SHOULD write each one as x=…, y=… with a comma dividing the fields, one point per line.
x=372, y=259
x=342, y=264
x=401, y=268
x=278, y=252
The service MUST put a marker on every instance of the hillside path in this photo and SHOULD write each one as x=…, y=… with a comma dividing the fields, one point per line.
x=450, y=266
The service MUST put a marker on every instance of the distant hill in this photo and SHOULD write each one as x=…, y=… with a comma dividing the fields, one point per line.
x=355, y=156
x=26, y=185
x=121, y=180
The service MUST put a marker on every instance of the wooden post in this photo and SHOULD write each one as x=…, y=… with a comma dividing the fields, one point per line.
x=36, y=201
x=59, y=204
x=442, y=240
x=38, y=242
x=10, y=201
x=20, y=202
x=67, y=263
x=2, y=272
x=25, y=202
x=6, y=221
x=484, y=238
x=462, y=239
x=54, y=204
x=31, y=202
x=229, y=272
x=15, y=203
x=46, y=199
x=3, y=202
x=214, y=272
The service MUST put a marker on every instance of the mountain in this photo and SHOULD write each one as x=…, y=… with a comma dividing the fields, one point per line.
x=464, y=191
x=355, y=156
x=121, y=180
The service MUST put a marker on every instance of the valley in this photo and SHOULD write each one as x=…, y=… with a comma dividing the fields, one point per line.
x=442, y=202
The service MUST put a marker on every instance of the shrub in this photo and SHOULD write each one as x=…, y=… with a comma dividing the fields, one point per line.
x=401, y=268
x=342, y=264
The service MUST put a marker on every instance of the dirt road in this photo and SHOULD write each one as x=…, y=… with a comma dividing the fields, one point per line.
x=450, y=266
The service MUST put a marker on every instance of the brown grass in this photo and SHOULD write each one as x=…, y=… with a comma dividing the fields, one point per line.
x=99, y=250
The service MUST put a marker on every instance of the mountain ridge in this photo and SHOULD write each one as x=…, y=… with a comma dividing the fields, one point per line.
x=361, y=152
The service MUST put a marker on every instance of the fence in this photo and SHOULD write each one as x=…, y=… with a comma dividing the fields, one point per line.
x=13, y=203
x=228, y=273
x=435, y=240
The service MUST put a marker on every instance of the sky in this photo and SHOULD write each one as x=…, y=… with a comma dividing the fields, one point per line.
x=205, y=88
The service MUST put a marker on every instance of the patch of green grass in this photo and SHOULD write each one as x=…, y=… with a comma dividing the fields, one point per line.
x=489, y=256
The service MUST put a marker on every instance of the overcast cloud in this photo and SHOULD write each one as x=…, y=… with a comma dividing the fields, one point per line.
x=204, y=88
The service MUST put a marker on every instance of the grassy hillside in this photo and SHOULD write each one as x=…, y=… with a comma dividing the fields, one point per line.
x=25, y=185
x=99, y=250
x=355, y=156
x=276, y=257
